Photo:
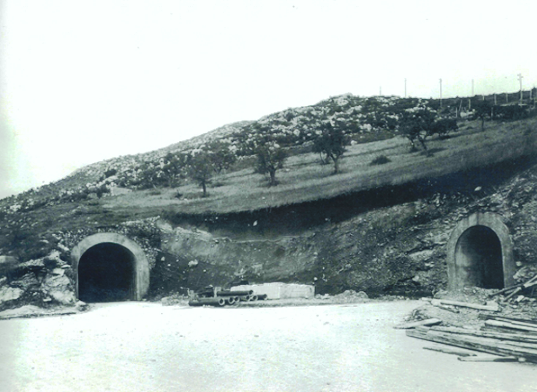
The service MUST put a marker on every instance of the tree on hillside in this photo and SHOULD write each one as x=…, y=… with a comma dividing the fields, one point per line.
x=270, y=158
x=171, y=168
x=330, y=142
x=201, y=168
x=417, y=124
x=147, y=175
x=222, y=157
x=483, y=109
x=421, y=122
x=443, y=126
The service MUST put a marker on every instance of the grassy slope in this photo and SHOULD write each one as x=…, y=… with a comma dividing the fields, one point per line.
x=304, y=179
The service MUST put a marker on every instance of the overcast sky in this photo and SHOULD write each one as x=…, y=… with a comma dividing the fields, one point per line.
x=83, y=81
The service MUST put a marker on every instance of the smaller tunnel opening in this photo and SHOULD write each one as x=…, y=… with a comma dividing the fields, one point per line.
x=106, y=274
x=478, y=259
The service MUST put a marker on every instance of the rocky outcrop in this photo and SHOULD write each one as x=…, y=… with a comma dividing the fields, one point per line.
x=46, y=281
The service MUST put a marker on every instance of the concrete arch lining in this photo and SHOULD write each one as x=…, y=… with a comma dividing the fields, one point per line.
x=493, y=222
x=141, y=265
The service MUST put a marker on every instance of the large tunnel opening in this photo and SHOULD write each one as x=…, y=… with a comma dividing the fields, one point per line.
x=478, y=259
x=106, y=274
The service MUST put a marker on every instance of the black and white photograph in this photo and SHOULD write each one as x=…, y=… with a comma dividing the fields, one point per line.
x=268, y=196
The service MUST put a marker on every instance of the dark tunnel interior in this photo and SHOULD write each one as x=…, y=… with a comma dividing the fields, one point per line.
x=479, y=257
x=106, y=274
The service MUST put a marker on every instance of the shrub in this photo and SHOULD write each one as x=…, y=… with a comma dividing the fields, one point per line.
x=110, y=173
x=380, y=160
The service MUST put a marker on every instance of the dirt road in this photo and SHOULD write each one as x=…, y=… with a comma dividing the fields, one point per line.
x=147, y=347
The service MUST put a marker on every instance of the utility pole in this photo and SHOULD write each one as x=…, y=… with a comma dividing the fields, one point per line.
x=405, y=87
x=470, y=99
x=380, y=90
x=440, y=92
x=495, y=99
x=520, y=80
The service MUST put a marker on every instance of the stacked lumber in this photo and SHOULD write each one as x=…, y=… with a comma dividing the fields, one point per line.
x=499, y=339
x=510, y=325
x=507, y=339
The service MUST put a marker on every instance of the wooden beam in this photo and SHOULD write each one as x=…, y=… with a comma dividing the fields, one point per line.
x=517, y=290
x=448, y=350
x=414, y=324
x=512, y=325
x=505, y=290
x=487, y=345
x=486, y=334
x=492, y=308
x=508, y=319
x=488, y=358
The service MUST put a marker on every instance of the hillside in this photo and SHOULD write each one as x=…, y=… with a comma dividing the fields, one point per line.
x=380, y=225
x=370, y=122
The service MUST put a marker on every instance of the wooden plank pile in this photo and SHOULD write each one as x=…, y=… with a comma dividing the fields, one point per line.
x=501, y=338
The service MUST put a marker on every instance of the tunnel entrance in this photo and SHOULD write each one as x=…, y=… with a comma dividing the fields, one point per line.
x=106, y=274
x=480, y=253
x=479, y=258
x=109, y=267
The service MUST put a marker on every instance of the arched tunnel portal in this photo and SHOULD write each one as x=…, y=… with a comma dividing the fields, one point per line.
x=110, y=267
x=480, y=253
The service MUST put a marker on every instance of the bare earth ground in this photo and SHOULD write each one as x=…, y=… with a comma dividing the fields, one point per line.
x=149, y=347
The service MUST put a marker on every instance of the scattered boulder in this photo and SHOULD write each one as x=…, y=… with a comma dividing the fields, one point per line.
x=58, y=272
x=63, y=297
x=174, y=300
x=351, y=296
x=421, y=255
x=32, y=264
x=7, y=263
x=114, y=191
x=26, y=281
x=59, y=287
x=525, y=273
x=193, y=263
x=53, y=260
x=8, y=293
